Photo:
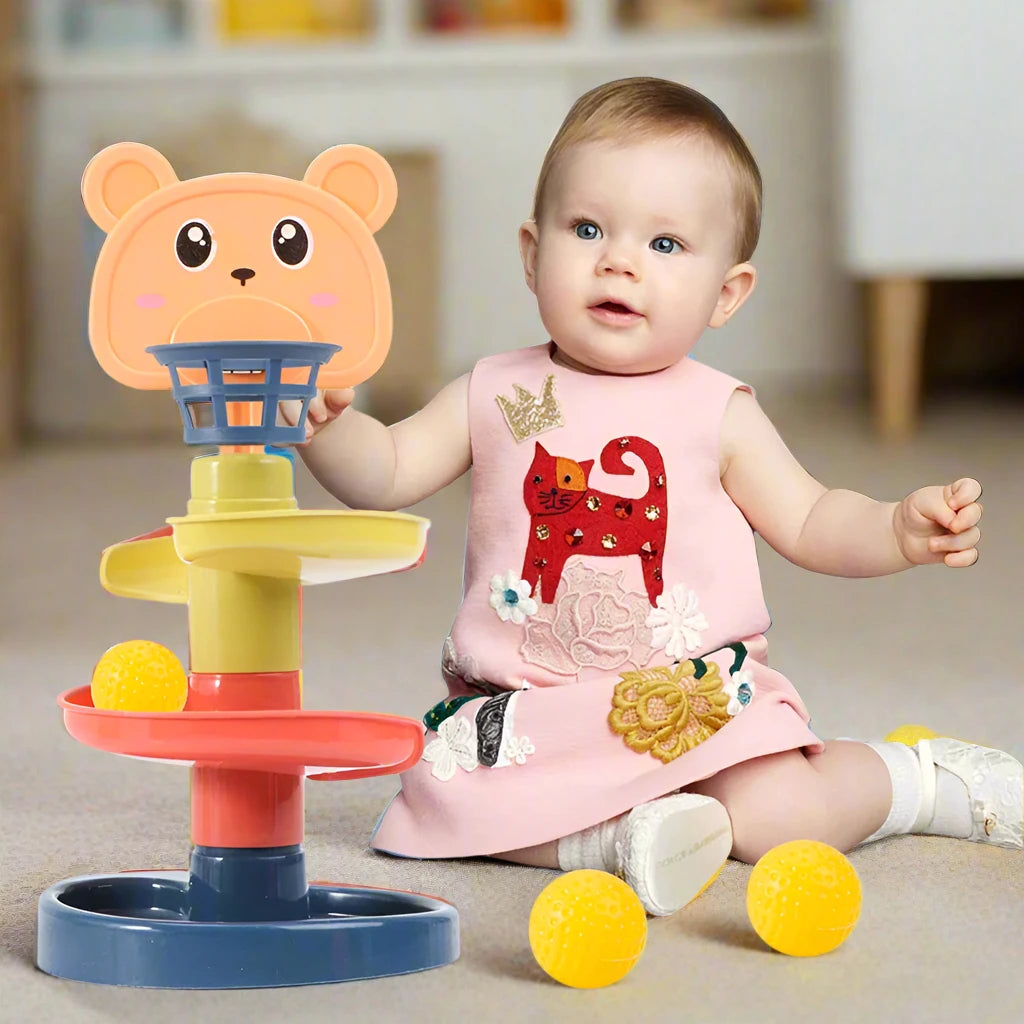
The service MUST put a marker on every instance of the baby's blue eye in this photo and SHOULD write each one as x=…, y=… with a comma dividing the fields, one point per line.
x=666, y=245
x=587, y=230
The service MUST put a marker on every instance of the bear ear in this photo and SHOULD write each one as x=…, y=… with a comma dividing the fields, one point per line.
x=360, y=178
x=120, y=176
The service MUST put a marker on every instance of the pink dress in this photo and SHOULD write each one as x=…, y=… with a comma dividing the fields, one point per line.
x=609, y=648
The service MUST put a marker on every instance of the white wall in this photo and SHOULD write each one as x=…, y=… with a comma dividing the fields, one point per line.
x=490, y=122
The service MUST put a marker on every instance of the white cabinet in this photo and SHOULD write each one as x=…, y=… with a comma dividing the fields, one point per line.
x=930, y=105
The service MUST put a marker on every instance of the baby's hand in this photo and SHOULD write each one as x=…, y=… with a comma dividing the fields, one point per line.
x=940, y=524
x=324, y=408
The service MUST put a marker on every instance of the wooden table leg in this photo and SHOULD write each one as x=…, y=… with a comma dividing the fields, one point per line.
x=897, y=307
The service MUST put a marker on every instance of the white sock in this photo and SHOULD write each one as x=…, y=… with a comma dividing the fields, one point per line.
x=930, y=802
x=594, y=847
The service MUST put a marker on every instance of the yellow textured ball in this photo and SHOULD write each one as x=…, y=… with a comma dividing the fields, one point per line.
x=587, y=929
x=910, y=734
x=803, y=898
x=139, y=675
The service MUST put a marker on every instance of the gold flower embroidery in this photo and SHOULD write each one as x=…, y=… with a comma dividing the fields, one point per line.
x=667, y=710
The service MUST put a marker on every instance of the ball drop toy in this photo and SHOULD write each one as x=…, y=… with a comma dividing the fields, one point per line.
x=238, y=561
x=139, y=675
x=803, y=898
x=587, y=929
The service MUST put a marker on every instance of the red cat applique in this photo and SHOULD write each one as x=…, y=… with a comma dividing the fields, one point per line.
x=568, y=517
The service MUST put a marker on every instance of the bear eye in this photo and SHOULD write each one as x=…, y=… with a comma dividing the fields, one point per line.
x=293, y=242
x=195, y=245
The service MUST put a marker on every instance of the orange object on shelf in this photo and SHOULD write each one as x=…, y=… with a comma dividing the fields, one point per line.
x=268, y=20
x=683, y=13
x=499, y=14
x=493, y=15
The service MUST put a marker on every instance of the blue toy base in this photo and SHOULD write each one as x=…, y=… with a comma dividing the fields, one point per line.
x=133, y=929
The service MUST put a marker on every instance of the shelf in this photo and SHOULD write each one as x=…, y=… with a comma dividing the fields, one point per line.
x=425, y=54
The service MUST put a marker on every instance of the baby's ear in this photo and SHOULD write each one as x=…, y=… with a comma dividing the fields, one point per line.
x=360, y=178
x=120, y=176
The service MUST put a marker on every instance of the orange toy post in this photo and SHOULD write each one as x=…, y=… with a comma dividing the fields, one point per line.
x=238, y=292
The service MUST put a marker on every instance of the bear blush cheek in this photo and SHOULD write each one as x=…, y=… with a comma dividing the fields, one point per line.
x=323, y=299
x=149, y=300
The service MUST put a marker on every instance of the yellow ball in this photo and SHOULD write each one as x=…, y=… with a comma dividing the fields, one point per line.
x=587, y=929
x=910, y=734
x=803, y=898
x=139, y=675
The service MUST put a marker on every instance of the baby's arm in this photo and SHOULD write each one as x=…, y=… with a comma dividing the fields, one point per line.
x=370, y=466
x=839, y=532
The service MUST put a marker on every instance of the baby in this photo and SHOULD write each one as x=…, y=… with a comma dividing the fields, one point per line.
x=610, y=705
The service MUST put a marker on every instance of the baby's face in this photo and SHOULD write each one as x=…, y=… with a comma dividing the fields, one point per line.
x=632, y=251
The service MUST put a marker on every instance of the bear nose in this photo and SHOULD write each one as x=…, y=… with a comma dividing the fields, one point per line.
x=243, y=274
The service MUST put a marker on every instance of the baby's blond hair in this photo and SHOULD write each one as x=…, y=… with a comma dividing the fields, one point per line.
x=651, y=108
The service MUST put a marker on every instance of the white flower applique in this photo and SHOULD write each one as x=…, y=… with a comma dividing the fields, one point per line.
x=518, y=748
x=740, y=689
x=676, y=624
x=510, y=597
x=455, y=747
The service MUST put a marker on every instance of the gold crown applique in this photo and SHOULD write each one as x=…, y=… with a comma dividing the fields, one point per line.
x=531, y=414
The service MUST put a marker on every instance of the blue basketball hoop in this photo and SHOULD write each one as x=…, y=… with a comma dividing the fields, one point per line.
x=242, y=372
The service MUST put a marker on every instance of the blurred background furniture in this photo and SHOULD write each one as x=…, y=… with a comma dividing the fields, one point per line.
x=933, y=145
x=11, y=228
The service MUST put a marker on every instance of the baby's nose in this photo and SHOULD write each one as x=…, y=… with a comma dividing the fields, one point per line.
x=242, y=274
x=617, y=261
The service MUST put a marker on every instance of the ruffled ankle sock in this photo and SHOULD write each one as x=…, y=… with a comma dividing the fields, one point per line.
x=932, y=801
x=593, y=847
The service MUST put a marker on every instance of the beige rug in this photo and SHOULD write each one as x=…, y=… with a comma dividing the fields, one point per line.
x=941, y=938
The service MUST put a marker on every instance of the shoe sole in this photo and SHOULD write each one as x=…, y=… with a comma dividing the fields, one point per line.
x=692, y=839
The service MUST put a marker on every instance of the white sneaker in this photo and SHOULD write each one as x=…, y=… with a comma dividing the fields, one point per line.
x=995, y=787
x=669, y=850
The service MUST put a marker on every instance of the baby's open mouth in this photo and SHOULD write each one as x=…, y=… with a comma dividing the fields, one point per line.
x=615, y=308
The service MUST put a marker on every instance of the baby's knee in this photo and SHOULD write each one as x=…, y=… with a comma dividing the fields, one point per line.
x=753, y=838
x=765, y=816
x=750, y=844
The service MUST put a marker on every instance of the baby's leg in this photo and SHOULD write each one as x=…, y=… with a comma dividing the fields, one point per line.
x=852, y=793
x=667, y=850
x=543, y=856
x=840, y=797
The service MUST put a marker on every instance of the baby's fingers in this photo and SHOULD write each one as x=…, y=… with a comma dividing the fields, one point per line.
x=956, y=542
x=962, y=492
x=930, y=505
x=968, y=516
x=961, y=559
x=337, y=400
x=317, y=408
x=288, y=413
